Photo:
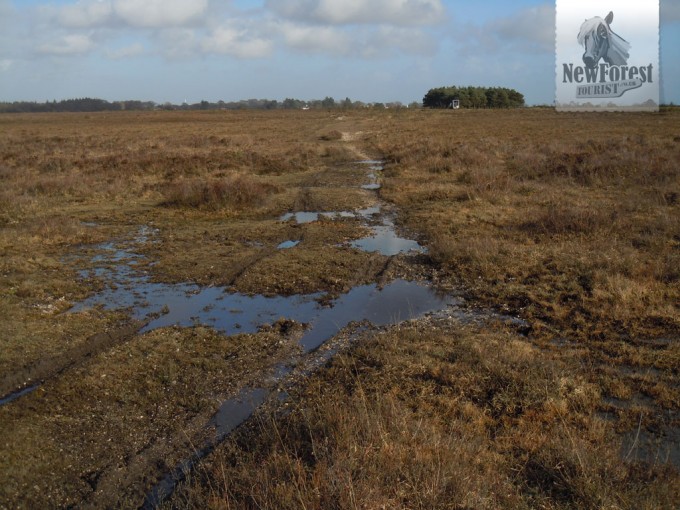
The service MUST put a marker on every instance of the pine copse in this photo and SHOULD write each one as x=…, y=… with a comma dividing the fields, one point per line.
x=473, y=97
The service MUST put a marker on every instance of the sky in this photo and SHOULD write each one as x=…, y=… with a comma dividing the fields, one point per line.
x=372, y=50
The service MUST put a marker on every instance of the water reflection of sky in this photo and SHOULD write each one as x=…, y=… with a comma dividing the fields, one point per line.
x=163, y=304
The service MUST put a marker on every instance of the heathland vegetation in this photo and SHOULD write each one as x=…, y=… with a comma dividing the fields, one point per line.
x=570, y=223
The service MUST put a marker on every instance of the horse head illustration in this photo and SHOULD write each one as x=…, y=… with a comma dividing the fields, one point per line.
x=600, y=42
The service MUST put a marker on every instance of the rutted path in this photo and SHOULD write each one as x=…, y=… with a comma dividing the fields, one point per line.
x=299, y=333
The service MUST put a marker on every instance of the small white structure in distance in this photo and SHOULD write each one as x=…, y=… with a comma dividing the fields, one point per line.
x=455, y=104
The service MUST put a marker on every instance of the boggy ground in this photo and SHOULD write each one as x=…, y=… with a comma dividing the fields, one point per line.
x=569, y=221
x=192, y=198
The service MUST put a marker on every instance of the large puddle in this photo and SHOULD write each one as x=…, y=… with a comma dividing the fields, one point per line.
x=160, y=305
x=399, y=301
x=384, y=240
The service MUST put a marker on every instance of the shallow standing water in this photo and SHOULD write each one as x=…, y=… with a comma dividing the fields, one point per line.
x=231, y=313
x=385, y=241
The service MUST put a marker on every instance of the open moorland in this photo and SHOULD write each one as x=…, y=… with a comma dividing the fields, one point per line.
x=547, y=376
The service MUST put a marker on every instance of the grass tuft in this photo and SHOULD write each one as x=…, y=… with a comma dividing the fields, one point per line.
x=235, y=192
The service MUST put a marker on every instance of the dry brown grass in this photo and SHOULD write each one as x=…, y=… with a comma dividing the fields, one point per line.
x=433, y=418
x=570, y=221
x=238, y=191
x=532, y=200
x=74, y=180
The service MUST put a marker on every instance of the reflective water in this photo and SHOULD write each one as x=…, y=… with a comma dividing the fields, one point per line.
x=386, y=242
x=301, y=217
x=659, y=448
x=161, y=304
x=369, y=212
x=383, y=238
x=376, y=164
x=310, y=217
x=286, y=245
x=400, y=300
x=16, y=394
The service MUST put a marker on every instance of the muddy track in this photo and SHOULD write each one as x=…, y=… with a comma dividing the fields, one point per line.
x=149, y=451
x=48, y=368
x=379, y=268
x=239, y=269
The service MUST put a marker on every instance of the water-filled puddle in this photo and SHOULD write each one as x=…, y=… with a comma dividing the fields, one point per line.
x=641, y=445
x=375, y=164
x=310, y=217
x=286, y=245
x=400, y=300
x=385, y=241
x=161, y=304
x=301, y=217
x=374, y=184
x=369, y=212
x=231, y=414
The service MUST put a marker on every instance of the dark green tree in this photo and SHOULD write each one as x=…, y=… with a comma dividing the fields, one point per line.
x=473, y=97
x=328, y=102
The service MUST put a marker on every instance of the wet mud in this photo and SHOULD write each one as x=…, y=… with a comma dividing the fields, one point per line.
x=26, y=379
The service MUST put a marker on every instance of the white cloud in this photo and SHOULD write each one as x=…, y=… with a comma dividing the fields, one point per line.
x=316, y=39
x=343, y=12
x=532, y=28
x=399, y=39
x=127, y=52
x=159, y=13
x=357, y=41
x=237, y=43
x=85, y=13
x=135, y=13
x=70, y=44
x=178, y=42
x=5, y=64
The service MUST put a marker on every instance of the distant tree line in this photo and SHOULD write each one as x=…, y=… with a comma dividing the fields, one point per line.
x=473, y=97
x=100, y=105
x=85, y=104
x=287, y=104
